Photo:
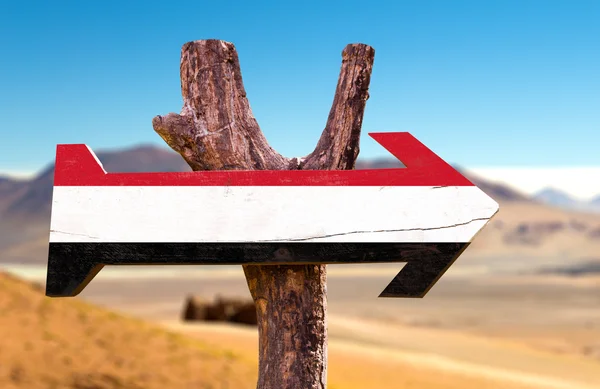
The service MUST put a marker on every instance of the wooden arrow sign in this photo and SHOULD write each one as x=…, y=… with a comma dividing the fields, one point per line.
x=425, y=215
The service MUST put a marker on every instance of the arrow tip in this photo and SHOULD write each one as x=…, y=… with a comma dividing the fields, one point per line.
x=419, y=275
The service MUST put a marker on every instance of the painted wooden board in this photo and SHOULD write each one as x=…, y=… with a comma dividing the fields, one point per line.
x=425, y=215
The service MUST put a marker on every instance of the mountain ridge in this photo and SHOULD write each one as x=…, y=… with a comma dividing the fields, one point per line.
x=560, y=198
x=73, y=344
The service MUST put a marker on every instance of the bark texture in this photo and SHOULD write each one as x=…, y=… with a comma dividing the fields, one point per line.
x=217, y=131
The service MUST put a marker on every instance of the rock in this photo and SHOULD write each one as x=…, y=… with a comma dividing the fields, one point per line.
x=195, y=308
x=230, y=305
x=246, y=314
x=223, y=308
x=234, y=310
x=215, y=313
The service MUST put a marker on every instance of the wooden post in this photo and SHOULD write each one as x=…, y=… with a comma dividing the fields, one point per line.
x=217, y=131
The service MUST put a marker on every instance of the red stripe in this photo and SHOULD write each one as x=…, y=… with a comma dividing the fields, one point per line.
x=77, y=166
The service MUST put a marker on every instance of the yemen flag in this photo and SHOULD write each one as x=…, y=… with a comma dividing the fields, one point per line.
x=425, y=215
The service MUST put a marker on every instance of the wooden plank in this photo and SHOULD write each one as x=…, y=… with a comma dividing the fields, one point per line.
x=268, y=213
x=425, y=215
x=71, y=266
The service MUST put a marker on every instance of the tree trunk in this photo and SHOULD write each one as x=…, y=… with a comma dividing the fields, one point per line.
x=217, y=131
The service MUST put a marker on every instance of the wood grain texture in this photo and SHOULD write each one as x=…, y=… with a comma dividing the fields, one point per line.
x=216, y=130
x=269, y=213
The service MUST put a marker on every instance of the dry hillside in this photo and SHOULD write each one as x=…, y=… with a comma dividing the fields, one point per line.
x=69, y=344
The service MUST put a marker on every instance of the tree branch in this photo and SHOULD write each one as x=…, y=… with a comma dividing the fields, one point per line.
x=216, y=131
x=338, y=146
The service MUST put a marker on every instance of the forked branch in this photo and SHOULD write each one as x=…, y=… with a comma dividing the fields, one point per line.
x=217, y=131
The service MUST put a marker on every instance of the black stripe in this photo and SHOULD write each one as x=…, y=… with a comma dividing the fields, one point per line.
x=71, y=266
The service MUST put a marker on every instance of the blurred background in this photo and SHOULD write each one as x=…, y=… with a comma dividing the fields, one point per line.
x=506, y=91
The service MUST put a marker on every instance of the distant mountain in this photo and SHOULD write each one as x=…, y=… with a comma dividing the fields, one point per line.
x=555, y=197
x=558, y=198
x=10, y=189
x=9, y=185
x=36, y=194
x=144, y=158
x=380, y=163
x=498, y=192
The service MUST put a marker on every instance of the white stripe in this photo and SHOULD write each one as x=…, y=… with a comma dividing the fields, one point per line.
x=266, y=213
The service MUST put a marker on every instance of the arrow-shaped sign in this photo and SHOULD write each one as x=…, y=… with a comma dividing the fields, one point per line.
x=425, y=215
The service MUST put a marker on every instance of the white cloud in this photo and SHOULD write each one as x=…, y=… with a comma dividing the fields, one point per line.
x=582, y=183
x=18, y=174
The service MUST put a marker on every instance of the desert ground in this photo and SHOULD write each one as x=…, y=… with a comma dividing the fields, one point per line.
x=473, y=330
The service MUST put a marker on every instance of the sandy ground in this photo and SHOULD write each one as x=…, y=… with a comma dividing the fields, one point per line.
x=505, y=332
x=492, y=331
x=66, y=343
x=71, y=344
x=361, y=343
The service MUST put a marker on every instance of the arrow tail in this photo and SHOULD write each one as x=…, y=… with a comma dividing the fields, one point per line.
x=76, y=164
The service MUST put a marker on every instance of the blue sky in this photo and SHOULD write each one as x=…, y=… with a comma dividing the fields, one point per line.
x=482, y=83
